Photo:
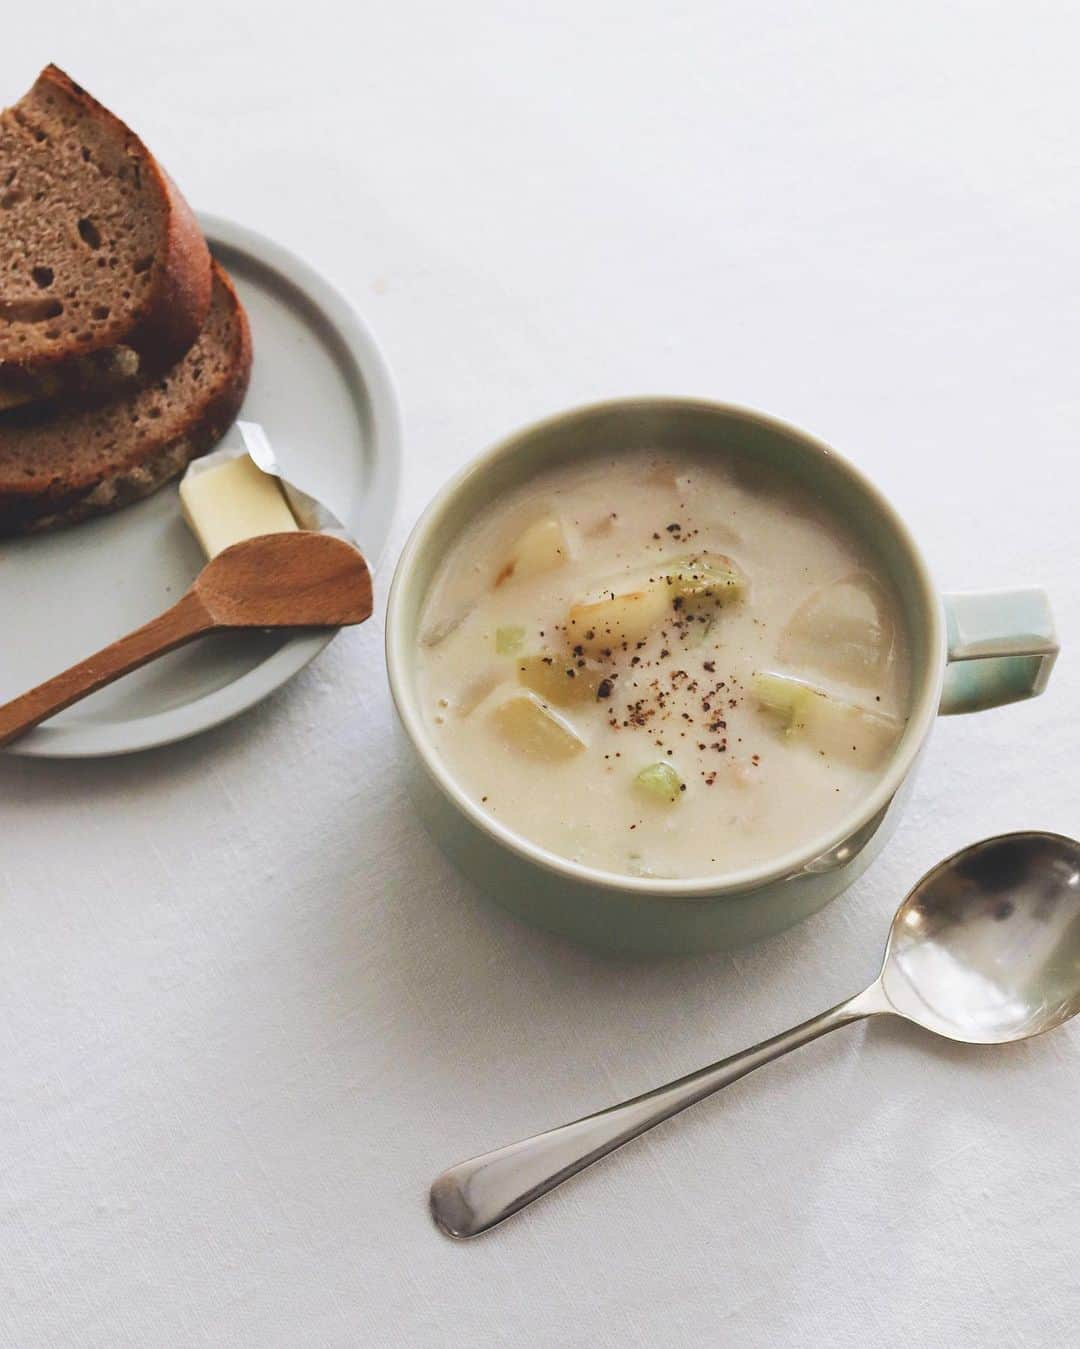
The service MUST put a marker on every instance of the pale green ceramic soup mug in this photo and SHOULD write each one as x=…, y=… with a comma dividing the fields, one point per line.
x=969, y=651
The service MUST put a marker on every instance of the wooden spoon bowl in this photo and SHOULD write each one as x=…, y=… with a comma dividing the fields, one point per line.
x=300, y=580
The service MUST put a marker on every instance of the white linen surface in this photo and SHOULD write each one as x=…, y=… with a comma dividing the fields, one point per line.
x=247, y=1010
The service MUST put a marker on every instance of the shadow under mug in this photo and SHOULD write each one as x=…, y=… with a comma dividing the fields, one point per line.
x=969, y=651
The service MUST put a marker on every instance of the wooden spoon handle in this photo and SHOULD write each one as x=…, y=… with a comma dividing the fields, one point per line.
x=185, y=620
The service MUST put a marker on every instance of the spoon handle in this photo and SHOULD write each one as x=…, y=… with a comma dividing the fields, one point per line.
x=477, y=1194
x=179, y=624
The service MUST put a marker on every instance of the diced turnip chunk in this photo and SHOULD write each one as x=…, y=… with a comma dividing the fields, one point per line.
x=604, y=624
x=839, y=730
x=534, y=729
x=843, y=631
x=439, y=631
x=537, y=549
x=559, y=680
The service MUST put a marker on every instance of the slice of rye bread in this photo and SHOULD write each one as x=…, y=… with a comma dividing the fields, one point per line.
x=102, y=263
x=61, y=465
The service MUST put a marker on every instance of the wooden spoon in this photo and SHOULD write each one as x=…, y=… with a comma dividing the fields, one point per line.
x=301, y=580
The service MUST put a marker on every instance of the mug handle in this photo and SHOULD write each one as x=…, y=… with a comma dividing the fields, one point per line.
x=1001, y=648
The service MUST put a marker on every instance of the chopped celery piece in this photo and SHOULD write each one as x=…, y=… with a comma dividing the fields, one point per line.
x=534, y=729
x=558, y=680
x=537, y=549
x=660, y=781
x=708, y=576
x=508, y=641
x=602, y=624
x=837, y=729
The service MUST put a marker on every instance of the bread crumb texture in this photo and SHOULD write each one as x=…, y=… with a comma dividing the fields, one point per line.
x=82, y=219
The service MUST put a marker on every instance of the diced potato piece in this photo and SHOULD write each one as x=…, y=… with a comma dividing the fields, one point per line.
x=558, y=680
x=540, y=548
x=602, y=624
x=661, y=782
x=835, y=728
x=509, y=640
x=709, y=576
x=534, y=729
x=537, y=549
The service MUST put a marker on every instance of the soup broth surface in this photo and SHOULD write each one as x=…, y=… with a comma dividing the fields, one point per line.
x=663, y=665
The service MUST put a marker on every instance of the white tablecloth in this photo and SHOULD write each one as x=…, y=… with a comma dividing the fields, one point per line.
x=246, y=1008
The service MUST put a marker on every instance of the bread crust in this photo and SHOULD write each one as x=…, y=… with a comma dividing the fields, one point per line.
x=172, y=315
x=30, y=509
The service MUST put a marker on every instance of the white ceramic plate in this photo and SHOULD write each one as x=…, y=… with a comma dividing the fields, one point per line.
x=323, y=392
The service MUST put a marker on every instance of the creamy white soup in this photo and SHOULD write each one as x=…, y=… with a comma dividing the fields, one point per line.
x=662, y=665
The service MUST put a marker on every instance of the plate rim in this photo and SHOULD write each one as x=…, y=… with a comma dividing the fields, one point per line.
x=113, y=738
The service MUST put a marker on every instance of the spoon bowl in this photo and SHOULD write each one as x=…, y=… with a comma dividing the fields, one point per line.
x=986, y=948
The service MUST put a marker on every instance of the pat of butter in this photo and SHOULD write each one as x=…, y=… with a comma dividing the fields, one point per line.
x=235, y=500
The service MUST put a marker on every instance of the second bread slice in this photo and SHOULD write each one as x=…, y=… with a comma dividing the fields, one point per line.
x=59, y=466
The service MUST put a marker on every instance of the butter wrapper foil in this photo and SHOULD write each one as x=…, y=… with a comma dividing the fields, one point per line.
x=250, y=438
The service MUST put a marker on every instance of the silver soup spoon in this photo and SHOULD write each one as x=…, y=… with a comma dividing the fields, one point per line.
x=985, y=949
